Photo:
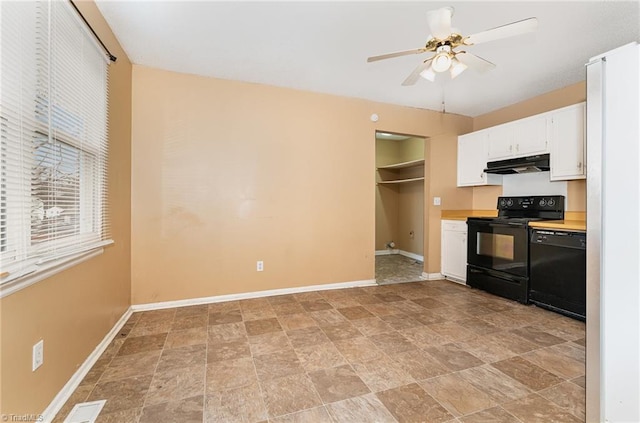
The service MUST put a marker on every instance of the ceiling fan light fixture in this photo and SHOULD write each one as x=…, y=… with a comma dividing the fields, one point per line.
x=428, y=74
x=445, y=39
x=457, y=67
x=441, y=62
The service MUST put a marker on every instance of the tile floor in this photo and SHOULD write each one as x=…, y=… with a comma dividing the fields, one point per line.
x=430, y=351
x=396, y=268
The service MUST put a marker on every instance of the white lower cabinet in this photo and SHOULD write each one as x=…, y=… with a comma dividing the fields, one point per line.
x=453, y=262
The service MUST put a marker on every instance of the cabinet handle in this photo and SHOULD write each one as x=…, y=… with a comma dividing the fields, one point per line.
x=579, y=165
x=517, y=147
x=510, y=148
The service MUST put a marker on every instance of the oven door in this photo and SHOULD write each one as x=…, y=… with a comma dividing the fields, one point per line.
x=498, y=246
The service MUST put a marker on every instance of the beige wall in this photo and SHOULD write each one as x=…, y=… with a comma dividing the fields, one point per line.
x=441, y=174
x=411, y=149
x=411, y=200
x=562, y=97
x=485, y=197
x=221, y=178
x=387, y=152
x=577, y=195
x=74, y=310
x=411, y=218
x=400, y=208
x=387, y=208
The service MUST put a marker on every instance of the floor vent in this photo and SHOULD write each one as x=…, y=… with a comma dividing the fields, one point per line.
x=85, y=412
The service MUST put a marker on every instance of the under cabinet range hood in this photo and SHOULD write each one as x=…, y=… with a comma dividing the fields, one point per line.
x=537, y=163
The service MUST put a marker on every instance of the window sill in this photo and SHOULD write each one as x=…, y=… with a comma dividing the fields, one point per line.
x=48, y=269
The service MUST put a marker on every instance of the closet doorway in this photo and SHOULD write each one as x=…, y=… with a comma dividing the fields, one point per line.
x=400, y=170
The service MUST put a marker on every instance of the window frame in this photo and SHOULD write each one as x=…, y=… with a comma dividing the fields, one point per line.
x=28, y=262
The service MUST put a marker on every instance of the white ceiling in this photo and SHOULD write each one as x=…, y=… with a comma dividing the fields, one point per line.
x=323, y=46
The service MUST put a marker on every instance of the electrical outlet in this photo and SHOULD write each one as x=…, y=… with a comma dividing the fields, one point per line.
x=259, y=265
x=436, y=201
x=38, y=355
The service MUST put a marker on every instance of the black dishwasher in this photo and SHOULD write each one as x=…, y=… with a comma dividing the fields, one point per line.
x=558, y=268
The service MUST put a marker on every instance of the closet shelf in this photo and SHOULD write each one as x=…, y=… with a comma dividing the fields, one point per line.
x=401, y=181
x=403, y=165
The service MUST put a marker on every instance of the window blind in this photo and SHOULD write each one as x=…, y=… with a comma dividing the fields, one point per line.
x=53, y=136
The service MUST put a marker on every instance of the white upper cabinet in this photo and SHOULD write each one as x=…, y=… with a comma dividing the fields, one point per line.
x=472, y=160
x=559, y=132
x=524, y=137
x=501, y=141
x=532, y=135
x=567, y=143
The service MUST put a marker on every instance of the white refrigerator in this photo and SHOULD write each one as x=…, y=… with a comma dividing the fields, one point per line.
x=613, y=236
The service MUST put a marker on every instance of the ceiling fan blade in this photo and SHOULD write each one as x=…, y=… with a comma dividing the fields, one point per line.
x=475, y=62
x=439, y=22
x=415, y=75
x=396, y=54
x=504, y=31
x=457, y=67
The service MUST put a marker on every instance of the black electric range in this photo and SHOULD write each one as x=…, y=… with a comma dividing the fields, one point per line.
x=498, y=247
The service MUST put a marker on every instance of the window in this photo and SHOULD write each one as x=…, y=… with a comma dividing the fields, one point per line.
x=53, y=138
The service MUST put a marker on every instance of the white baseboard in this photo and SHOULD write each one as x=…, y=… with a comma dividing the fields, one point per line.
x=401, y=252
x=432, y=276
x=67, y=390
x=411, y=255
x=248, y=295
x=456, y=280
x=387, y=252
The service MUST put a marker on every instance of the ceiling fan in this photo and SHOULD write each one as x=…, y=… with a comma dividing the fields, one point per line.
x=444, y=41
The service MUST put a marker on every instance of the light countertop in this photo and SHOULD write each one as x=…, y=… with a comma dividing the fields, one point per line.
x=574, y=221
x=464, y=214
x=567, y=225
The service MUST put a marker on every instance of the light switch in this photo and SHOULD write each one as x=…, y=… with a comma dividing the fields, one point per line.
x=436, y=201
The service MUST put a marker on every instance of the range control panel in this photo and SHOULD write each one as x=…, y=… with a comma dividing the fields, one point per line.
x=541, y=203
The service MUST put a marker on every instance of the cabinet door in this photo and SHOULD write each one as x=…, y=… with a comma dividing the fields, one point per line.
x=446, y=250
x=567, y=143
x=454, y=250
x=501, y=141
x=459, y=258
x=531, y=136
x=472, y=159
